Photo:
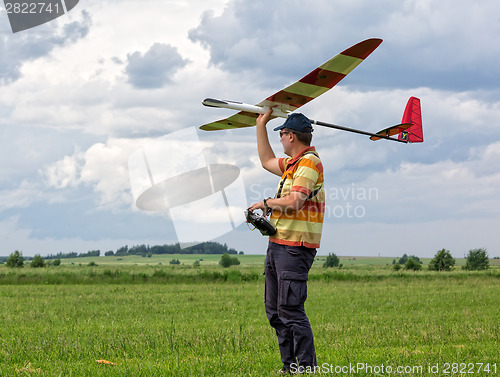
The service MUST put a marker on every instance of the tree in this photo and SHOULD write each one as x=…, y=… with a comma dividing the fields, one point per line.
x=403, y=259
x=122, y=251
x=138, y=250
x=92, y=253
x=37, y=261
x=331, y=261
x=396, y=267
x=413, y=264
x=442, y=261
x=417, y=259
x=477, y=259
x=56, y=262
x=15, y=260
x=227, y=261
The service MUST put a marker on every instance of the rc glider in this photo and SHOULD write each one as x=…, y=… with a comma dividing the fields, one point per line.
x=317, y=82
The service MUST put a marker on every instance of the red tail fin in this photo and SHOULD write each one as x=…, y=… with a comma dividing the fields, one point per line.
x=413, y=115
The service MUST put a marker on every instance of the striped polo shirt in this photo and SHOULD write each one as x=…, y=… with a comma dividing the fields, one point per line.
x=303, y=173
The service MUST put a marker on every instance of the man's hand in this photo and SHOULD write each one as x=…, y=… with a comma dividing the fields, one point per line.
x=260, y=205
x=263, y=119
x=289, y=203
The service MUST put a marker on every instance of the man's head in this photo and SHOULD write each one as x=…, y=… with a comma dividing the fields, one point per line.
x=299, y=126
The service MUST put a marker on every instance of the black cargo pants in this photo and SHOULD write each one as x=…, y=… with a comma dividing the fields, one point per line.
x=286, y=273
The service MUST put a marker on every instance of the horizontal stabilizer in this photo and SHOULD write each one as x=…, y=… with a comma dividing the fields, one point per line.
x=392, y=130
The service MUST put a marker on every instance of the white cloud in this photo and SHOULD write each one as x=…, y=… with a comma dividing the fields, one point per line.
x=442, y=190
x=63, y=173
x=17, y=237
x=268, y=39
x=422, y=239
x=154, y=68
x=29, y=45
x=20, y=197
x=105, y=170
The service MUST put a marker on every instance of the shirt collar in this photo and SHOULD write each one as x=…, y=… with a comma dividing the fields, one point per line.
x=299, y=155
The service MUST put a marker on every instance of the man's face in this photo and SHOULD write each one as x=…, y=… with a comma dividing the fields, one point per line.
x=286, y=139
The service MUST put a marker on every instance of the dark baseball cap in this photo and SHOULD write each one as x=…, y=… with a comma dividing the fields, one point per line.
x=297, y=122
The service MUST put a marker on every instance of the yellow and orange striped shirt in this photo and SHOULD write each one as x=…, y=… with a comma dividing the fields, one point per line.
x=303, y=173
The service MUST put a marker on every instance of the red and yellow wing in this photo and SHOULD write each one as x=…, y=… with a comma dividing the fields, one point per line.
x=307, y=88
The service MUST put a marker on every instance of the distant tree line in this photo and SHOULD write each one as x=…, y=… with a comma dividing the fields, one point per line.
x=476, y=259
x=92, y=253
x=146, y=250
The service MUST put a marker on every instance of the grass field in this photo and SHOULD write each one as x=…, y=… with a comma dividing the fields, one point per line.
x=154, y=319
x=246, y=260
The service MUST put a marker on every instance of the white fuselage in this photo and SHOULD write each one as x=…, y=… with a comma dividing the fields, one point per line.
x=243, y=107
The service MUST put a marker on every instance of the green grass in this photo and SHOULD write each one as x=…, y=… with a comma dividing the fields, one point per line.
x=139, y=270
x=189, y=322
x=164, y=259
x=246, y=260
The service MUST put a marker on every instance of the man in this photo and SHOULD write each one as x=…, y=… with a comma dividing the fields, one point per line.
x=297, y=213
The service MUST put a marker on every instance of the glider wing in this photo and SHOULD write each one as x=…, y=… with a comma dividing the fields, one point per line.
x=307, y=88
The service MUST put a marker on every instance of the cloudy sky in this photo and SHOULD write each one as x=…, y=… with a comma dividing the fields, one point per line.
x=80, y=94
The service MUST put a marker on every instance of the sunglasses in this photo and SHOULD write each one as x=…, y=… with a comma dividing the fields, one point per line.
x=285, y=133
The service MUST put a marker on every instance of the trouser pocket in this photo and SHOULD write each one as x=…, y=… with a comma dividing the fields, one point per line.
x=292, y=288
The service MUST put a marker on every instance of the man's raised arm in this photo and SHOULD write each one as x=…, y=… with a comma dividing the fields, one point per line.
x=266, y=155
